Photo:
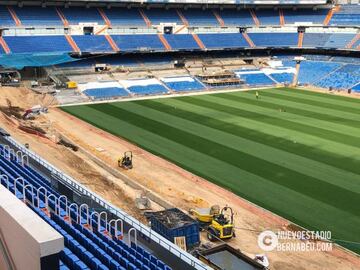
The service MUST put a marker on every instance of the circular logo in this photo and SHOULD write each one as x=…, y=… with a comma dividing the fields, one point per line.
x=267, y=240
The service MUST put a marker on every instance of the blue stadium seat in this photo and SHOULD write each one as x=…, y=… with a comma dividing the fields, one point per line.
x=84, y=248
x=268, y=16
x=236, y=17
x=159, y=15
x=181, y=42
x=93, y=43
x=106, y=92
x=76, y=15
x=200, y=17
x=305, y=15
x=138, y=42
x=226, y=40
x=124, y=16
x=38, y=16
x=5, y=17
x=274, y=39
x=37, y=44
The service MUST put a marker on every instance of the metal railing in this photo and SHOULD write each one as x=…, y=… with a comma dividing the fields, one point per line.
x=139, y=227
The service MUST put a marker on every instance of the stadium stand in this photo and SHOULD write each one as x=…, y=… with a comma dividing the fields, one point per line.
x=236, y=17
x=37, y=44
x=311, y=71
x=283, y=77
x=346, y=77
x=305, y=16
x=157, y=16
x=138, y=42
x=254, y=77
x=86, y=248
x=200, y=17
x=182, y=42
x=183, y=83
x=356, y=88
x=93, y=43
x=76, y=15
x=5, y=17
x=144, y=86
x=274, y=39
x=226, y=40
x=347, y=15
x=125, y=17
x=268, y=16
x=38, y=16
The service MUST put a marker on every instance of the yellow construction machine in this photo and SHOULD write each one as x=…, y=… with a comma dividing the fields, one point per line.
x=218, y=224
x=126, y=161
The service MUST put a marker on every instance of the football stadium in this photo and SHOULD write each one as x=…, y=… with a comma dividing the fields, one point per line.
x=179, y=134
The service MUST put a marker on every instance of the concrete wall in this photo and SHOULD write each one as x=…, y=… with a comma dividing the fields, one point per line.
x=26, y=237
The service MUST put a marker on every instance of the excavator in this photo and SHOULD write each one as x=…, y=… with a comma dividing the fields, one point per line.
x=219, y=224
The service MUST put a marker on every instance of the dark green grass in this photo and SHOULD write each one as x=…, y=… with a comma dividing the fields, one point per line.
x=293, y=152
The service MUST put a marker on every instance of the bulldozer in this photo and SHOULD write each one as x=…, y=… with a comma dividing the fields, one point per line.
x=125, y=161
x=218, y=224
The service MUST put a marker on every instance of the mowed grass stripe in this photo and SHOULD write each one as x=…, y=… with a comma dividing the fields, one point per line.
x=327, y=97
x=288, y=203
x=306, y=146
x=326, y=111
x=315, y=102
x=341, y=124
x=348, y=200
x=287, y=115
x=271, y=120
x=175, y=118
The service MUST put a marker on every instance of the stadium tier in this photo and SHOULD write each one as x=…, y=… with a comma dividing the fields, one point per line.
x=57, y=16
x=150, y=42
x=90, y=242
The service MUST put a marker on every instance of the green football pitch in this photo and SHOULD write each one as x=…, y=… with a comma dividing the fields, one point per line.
x=293, y=152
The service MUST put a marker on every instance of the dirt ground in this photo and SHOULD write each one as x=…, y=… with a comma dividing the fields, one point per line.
x=175, y=185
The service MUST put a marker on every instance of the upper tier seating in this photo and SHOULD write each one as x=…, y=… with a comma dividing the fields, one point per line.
x=33, y=16
x=92, y=43
x=38, y=16
x=181, y=42
x=85, y=248
x=5, y=17
x=218, y=41
x=200, y=17
x=236, y=17
x=268, y=16
x=158, y=15
x=37, y=44
x=348, y=15
x=274, y=39
x=305, y=15
x=76, y=15
x=185, y=83
x=124, y=16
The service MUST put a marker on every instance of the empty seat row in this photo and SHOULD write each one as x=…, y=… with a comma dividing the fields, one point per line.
x=85, y=248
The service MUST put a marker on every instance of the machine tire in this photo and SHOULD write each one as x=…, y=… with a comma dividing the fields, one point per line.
x=211, y=235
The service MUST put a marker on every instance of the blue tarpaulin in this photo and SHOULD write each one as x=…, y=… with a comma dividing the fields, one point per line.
x=21, y=60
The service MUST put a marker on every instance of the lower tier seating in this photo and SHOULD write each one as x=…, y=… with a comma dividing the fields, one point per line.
x=90, y=242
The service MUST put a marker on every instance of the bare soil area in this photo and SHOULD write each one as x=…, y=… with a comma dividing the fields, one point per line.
x=175, y=185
